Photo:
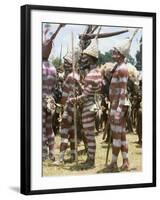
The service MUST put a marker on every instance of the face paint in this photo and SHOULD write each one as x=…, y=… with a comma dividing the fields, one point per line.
x=67, y=67
x=116, y=55
x=84, y=62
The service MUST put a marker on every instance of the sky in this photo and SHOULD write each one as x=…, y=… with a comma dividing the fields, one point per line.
x=104, y=44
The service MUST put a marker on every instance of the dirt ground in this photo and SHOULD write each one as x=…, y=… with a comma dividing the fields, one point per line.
x=135, y=158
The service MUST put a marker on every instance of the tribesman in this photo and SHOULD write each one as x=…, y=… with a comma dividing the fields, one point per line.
x=92, y=87
x=119, y=105
x=49, y=81
x=67, y=124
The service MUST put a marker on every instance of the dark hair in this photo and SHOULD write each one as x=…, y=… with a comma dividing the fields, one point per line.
x=121, y=55
x=95, y=60
x=92, y=59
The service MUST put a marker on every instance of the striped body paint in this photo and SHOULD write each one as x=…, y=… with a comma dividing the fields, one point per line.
x=67, y=127
x=118, y=98
x=49, y=79
x=92, y=87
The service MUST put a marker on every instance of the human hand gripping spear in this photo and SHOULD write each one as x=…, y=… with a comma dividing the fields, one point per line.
x=75, y=102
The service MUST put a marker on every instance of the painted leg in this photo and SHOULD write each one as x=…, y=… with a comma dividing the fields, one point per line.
x=88, y=122
x=116, y=146
x=45, y=149
x=72, y=144
x=124, y=150
x=65, y=127
x=50, y=135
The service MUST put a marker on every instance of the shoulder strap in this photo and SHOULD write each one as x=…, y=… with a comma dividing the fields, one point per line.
x=114, y=68
x=111, y=73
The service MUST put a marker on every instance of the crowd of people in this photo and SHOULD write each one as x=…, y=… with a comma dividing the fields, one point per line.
x=82, y=83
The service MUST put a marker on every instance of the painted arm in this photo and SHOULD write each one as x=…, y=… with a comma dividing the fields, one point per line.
x=123, y=78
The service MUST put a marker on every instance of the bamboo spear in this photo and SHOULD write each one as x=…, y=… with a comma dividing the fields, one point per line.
x=75, y=106
x=60, y=56
x=109, y=144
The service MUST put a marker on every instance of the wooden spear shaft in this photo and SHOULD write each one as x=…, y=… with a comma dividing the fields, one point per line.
x=60, y=56
x=75, y=106
x=109, y=144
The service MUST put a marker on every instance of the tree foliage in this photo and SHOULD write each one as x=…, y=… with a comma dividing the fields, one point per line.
x=139, y=57
x=106, y=57
x=57, y=62
x=131, y=60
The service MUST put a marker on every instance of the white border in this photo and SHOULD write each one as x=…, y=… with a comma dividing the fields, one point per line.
x=42, y=183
